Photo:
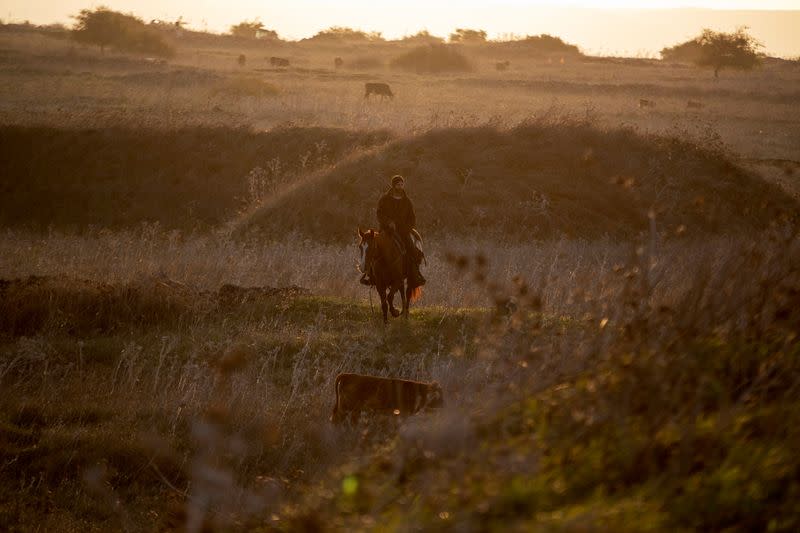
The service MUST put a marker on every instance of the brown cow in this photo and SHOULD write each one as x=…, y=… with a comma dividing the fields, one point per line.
x=381, y=89
x=646, y=103
x=502, y=65
x=356, y=393
x=338, y=62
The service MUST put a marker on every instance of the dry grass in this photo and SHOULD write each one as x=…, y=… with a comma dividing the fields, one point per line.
x=644, y=383
x=219, y=396
x=753, y=112
x=190, y=178
x=557, y=176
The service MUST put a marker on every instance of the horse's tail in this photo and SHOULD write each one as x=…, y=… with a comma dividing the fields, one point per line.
x=416, y=294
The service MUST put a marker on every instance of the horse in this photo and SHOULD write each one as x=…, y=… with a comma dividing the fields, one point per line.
x=383, y=259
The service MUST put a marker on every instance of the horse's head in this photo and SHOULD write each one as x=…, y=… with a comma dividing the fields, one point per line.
x=365, y=238
x=366, y=241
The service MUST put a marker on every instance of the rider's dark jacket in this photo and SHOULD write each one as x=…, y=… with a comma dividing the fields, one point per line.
x=400, y=211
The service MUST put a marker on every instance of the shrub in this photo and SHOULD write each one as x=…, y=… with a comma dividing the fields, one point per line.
x=462, y=35
x=718, y=50
x=253, y=29
x=432, y=59
x=546, y=45
x=105, y=27
x=422, y=37
x=339, y=33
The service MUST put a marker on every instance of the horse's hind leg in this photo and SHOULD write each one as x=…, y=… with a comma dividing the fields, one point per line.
x=406, y=294
x=394, y=311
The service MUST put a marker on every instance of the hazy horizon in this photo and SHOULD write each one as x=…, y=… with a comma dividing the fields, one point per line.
x=613, y=27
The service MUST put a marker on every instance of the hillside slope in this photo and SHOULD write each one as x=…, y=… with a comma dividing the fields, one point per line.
x=188, y=178
x=537, y=181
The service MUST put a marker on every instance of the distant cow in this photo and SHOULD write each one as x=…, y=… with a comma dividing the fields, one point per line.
x=502, y=65
x=691, y=104
x=381, y=89
x=338, y=62
x=278, y=61
x=356, y=393
x=646, y=103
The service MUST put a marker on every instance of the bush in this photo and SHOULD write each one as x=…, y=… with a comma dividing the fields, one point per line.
x=432, y=59
x=338, y=33
x=253, y=29
x=718, y=50
x=422, y=37
x=462, y=35
x=127, y=33
x=546, y=45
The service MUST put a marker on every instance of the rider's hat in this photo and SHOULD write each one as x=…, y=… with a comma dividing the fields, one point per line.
x=396, y=178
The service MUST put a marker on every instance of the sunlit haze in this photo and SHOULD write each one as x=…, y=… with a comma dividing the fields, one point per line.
x=610, y=27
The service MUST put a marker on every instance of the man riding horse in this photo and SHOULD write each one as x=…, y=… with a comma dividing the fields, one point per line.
x=396, y=217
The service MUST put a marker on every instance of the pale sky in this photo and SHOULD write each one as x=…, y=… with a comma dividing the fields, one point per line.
x=608, y=27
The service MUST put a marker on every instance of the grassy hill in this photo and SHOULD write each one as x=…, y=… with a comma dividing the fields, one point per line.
x=535, y=181
x=184, y=179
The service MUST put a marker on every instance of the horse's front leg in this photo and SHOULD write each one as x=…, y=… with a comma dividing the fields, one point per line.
x=384, y=303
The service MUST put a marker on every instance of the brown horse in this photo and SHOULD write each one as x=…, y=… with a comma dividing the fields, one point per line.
x=385, y=263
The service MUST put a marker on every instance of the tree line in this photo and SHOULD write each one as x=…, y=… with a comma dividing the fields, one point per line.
x=104, y=27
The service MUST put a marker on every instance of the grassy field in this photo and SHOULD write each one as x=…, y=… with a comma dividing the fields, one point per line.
x=611, y=308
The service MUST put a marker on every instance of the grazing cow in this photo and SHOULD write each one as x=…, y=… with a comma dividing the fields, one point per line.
x=381, y=89
x=646, y=103
x=338, y=62
x=278, y=61
x=502, y=65
x=356, y=393
x=691, y=104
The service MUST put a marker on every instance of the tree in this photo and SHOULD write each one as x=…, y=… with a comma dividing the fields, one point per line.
x=462, y=35
x=104, y=27
x=422, y=37
x=548, y=44
x=432, y=59
x=718, y=50
x=338, y=33
x=252, y=29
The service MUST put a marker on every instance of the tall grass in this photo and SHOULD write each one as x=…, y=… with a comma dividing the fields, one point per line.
x=206, y=262
x=227, y=406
